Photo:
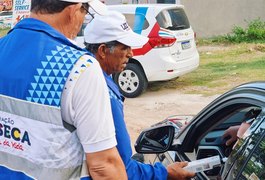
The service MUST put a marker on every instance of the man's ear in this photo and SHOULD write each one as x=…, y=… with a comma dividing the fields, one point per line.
x=72, y=10
x=102, y=50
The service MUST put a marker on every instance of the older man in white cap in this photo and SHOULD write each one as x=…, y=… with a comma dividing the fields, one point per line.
x=110, y=38
x=54, y=104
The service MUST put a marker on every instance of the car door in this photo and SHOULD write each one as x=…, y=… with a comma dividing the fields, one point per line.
x=248, y=159
x=203, y=136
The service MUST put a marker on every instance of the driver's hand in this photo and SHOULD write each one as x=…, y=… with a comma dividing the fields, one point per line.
x=231, y=135
x=176, y=171
x=2, y=8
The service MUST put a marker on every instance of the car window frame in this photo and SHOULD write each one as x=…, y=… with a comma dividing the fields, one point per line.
x=243, y=94
x=239, y=103
x=210, y=112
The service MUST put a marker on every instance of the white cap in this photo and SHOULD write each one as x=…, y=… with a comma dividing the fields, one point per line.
x=96, y=5
x=112, y=27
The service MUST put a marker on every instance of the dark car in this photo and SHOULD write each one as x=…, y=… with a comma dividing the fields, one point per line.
x=202, y=137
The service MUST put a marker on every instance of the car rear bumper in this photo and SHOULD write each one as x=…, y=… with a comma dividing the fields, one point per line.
x=174, y=68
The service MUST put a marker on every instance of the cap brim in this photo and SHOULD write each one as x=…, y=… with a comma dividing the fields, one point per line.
x=98, y=7
x=133, y=40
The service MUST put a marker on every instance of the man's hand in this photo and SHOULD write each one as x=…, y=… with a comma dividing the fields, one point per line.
x=1, y=7
x=176, y=171
x=231, y=135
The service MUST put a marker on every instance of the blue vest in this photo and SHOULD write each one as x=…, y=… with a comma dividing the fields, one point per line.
x=135, y=170
x=35, y=62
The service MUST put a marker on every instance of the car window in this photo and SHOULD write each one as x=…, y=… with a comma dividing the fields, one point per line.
x=247, y=160
x=239, y=115
x=212, y=143
x=210, y=127
x=254, y=168
x=173, y=19
x=137, y=22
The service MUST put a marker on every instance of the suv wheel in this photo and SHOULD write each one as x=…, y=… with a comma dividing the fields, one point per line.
x=131, y=81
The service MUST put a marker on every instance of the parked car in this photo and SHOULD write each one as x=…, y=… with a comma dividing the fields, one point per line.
x=170, y=52
x=169, y=141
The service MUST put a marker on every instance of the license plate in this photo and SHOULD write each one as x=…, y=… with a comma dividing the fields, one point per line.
x=185, y=45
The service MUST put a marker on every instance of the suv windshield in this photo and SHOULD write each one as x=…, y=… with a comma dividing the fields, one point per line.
x=173, y=19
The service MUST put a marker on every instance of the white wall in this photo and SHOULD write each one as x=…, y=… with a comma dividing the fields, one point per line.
x=215, y=17
x=129, y=1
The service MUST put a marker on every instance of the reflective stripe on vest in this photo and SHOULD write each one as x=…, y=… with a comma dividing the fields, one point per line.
x=33, y=140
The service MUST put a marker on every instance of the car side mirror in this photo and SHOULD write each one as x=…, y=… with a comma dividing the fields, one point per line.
x=155, y=140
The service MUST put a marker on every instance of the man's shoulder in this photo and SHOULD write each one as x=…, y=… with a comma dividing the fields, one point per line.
x=85, y=66
x=88, y=58
x=87, y=61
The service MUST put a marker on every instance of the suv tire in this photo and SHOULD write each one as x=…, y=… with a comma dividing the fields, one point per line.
x=131, y=81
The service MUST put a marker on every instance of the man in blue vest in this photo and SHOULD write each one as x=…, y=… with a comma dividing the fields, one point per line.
x=111, y=44
x=55, y=114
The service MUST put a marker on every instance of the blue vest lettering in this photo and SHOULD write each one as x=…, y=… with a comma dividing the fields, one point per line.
x=7, y=131
x=26, y=138
x=14, y=134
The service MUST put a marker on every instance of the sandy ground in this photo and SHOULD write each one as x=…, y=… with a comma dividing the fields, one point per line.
x=152, y=107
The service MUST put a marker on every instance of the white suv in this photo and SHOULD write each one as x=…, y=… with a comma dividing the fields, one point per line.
x=169, y=53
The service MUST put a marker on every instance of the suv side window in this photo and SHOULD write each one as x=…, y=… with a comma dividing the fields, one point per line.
x=136, y=23
x=173, y=19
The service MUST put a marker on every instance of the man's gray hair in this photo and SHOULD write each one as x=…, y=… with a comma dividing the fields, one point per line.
x=93, y=48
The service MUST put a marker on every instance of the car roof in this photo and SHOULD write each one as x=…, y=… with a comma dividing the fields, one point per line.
x=155, y=6
x=256, y=85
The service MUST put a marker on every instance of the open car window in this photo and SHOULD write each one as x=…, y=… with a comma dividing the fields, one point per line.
x=204, y=139
x=213, y=143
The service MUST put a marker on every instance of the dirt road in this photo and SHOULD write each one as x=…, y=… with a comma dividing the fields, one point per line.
x=152, y=107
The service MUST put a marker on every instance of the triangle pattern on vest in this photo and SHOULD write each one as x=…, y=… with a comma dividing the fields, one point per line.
x=48, y=82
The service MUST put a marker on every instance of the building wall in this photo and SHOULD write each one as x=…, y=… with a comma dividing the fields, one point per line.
x=211, y=17
x=110, y=2
x=215, y=17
